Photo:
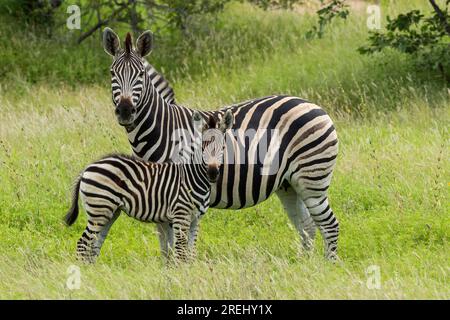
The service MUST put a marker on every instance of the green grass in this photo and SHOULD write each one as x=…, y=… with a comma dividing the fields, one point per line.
x=390, y=190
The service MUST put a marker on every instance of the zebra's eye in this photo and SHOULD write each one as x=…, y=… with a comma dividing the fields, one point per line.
x=141, y=74
x=112, y=72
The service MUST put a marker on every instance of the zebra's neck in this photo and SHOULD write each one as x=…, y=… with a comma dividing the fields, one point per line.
x=160, y=83
x=157, y=126
x=196, y=177
x=196, y=168
x=195, y=180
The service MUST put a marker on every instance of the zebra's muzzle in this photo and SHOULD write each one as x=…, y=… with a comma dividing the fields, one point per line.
x=213, y=173
x=125, y=112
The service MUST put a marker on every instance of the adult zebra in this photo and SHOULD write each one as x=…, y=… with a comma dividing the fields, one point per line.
x=280, y=144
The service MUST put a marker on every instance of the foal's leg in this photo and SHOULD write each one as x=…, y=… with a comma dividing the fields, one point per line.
x=100, y=220
x=181, y=224
x=104, y=232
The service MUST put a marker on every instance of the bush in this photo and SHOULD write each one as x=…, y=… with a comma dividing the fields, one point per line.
x=424, y=37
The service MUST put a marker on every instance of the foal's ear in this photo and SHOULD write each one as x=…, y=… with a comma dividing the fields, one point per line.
x=144, y=43
x=227, y=121
x=198, y=122
x=111, y=42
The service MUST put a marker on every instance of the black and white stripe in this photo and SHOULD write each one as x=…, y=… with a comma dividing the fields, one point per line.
x=120, y=80
x=160, y=83
x=172, y=194
x=298, y=140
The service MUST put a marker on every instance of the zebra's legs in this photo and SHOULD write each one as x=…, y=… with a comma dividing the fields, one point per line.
x=166, y=236
x=193, y=232
x=326, y=221
x=104, y=232
x=98, y=224
x=299, y=216
x=165, y=233
x=181, y=237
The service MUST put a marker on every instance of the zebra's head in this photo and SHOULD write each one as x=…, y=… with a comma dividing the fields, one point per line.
x=128, y=74
x=213, y=140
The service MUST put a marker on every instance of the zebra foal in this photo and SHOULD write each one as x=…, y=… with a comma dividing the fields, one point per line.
x=177, y=194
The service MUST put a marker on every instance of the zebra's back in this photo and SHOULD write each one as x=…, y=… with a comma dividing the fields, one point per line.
x=144, y=190
x=275, y=141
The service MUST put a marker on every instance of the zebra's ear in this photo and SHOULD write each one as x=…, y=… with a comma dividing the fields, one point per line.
x=111, y=42
x=227, y=121
x=144, y=43
x=198, y=121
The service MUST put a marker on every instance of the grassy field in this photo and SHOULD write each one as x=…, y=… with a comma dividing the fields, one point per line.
x=390, y=189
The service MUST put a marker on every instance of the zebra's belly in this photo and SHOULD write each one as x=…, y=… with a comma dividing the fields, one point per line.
x=155, y=215
x=241, y=186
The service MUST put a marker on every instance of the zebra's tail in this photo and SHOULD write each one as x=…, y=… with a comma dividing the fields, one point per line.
x=72, y=214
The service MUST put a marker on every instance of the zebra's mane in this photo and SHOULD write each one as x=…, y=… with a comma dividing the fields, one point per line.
x=118, y=155
x=128, y=156
x=160, y=83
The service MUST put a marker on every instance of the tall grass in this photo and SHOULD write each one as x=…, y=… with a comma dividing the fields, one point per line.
x=389, y=192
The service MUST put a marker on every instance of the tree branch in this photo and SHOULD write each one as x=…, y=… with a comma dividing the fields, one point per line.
x=441, y=15
x=101, y=23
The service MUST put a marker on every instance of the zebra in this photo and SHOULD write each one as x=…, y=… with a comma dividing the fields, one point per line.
x=299, y=137
x=174, y=193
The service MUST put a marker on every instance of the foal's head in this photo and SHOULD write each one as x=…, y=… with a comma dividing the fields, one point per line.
x=213, y=140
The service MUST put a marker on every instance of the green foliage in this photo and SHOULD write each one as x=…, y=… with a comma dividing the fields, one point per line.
x=26, y=58
x=424, y=37
x=409, y=33
x=36, y=15
x=280, y=4
x=335, y=9
x=181, y=11
x=264, y=51
x=163, y=16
